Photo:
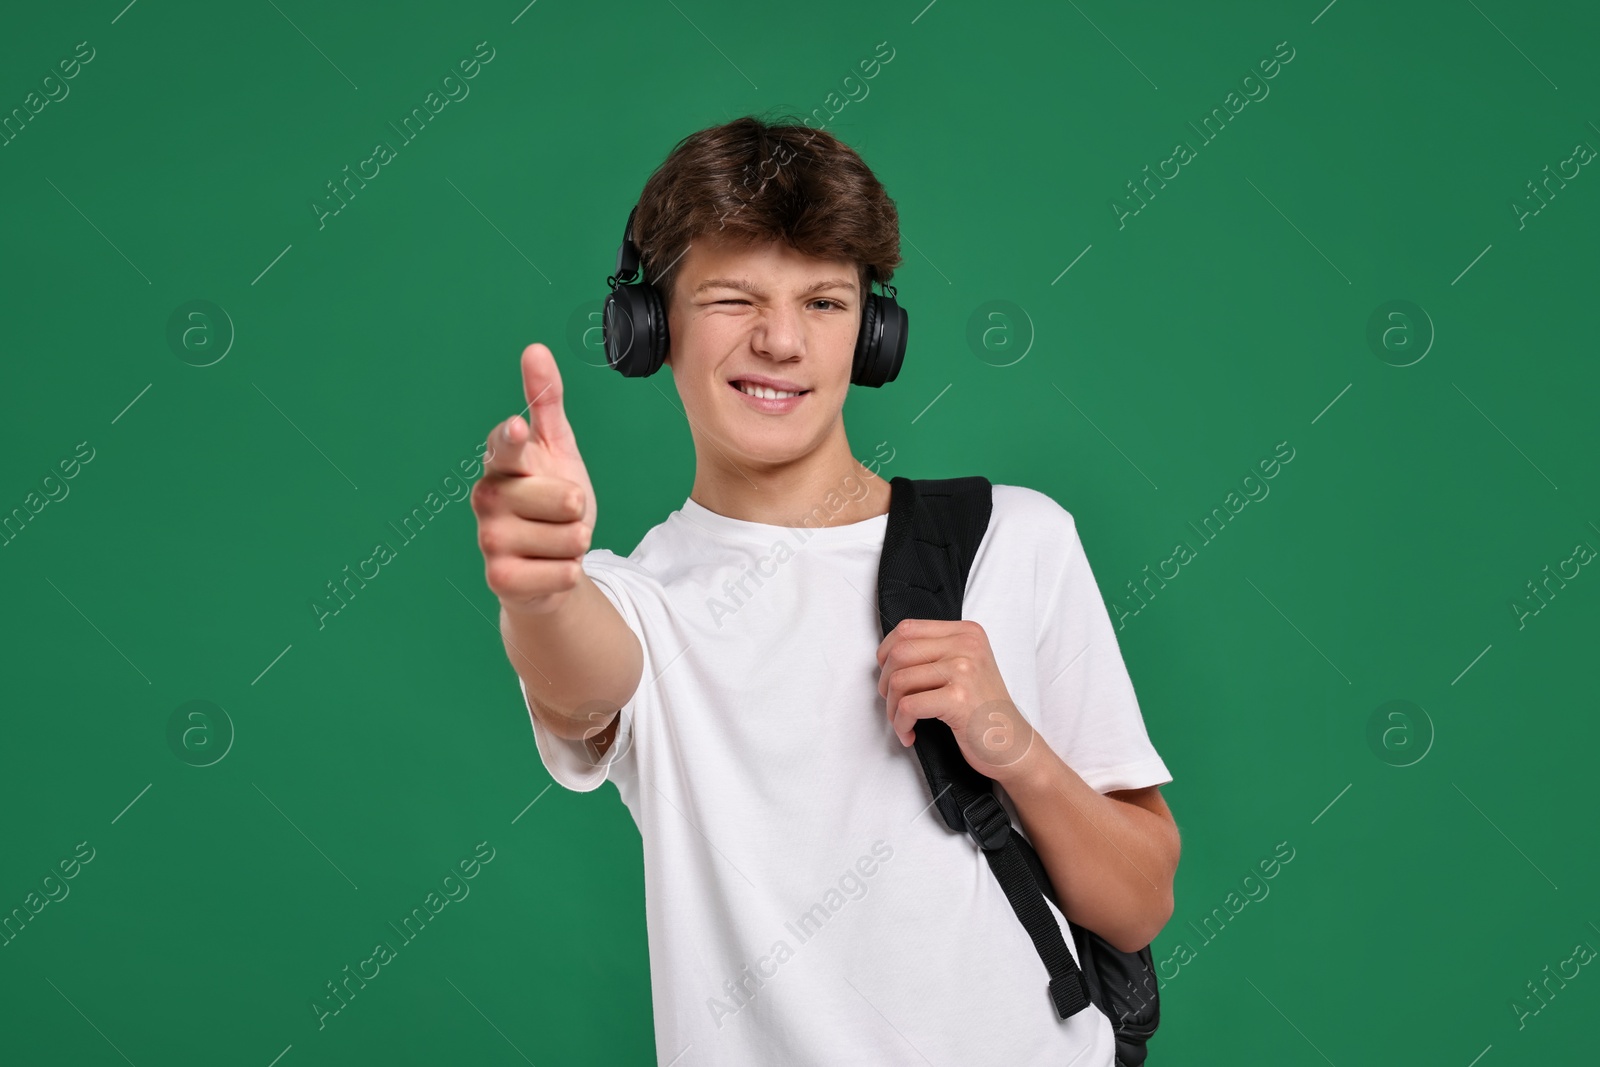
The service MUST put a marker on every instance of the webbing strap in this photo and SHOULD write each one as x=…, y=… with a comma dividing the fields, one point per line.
x=931, y=538
x=1068, y=990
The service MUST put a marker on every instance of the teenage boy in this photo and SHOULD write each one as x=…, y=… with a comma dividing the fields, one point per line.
x=804, y=902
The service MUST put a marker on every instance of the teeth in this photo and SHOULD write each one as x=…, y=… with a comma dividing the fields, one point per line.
x=763, y=391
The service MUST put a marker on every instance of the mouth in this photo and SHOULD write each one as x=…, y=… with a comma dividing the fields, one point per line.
x=766, y=399
x=765, y=392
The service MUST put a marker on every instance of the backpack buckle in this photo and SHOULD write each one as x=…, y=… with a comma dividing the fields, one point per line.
x=987, y=822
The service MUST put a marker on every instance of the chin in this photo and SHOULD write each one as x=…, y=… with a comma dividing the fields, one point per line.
x=774, y=450
x=774, y=442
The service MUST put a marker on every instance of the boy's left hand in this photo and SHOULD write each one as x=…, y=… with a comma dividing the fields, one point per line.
x=942, y=669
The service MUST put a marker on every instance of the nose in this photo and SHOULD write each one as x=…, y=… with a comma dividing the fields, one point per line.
x=779, y=333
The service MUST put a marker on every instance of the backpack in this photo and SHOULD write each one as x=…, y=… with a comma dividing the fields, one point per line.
x=932, y=535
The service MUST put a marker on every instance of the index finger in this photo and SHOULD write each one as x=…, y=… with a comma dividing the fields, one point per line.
x=504, y=456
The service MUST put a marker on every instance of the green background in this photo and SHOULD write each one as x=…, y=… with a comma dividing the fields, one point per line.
x=366, y=358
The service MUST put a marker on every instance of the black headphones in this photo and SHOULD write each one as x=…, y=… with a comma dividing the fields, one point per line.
x=634, y=325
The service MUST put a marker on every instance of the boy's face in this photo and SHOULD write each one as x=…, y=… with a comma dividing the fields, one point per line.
x=765, y=311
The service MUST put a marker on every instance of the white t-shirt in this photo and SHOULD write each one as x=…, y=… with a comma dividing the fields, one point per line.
x=805, y=904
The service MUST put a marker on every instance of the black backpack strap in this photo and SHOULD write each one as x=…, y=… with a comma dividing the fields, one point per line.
x=932, y=536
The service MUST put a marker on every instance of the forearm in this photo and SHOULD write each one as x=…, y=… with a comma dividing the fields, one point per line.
x=1111, y=863
x=580, y=662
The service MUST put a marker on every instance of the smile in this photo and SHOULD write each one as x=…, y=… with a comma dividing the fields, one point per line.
x=767, y=400
x=763, y=391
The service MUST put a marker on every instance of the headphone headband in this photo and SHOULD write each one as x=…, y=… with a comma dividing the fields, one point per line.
x=628, y=258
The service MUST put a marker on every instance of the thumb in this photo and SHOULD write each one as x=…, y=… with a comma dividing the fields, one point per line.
x=541, y=383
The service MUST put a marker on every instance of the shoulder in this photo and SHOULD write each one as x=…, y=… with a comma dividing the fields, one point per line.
x=1032, y=512
x=649, y=562
x=1037, y=537
x=624, y=578
x=630, y=568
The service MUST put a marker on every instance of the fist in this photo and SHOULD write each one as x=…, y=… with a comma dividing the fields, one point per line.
x=535, y=504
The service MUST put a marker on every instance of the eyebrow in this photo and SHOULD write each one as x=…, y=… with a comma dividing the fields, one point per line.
x=744, y=285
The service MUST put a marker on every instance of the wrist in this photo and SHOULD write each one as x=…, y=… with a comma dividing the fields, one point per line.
x=1034, y=771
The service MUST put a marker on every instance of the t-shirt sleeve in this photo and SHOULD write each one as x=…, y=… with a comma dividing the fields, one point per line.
x=575, y=764
x=1088, y=711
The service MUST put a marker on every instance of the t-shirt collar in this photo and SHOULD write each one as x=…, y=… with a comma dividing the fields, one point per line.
x=763, y=533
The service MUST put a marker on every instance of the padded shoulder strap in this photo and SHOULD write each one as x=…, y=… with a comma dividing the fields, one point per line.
x=929, y=544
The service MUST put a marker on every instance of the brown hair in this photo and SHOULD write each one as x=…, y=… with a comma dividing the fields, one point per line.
x=750, y=181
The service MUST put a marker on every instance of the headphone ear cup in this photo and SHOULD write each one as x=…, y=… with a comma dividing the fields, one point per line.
x=634, y=329
x=881, y=344
x=865, y=342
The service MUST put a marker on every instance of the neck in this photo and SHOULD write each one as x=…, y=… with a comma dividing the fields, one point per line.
x=828, y=487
